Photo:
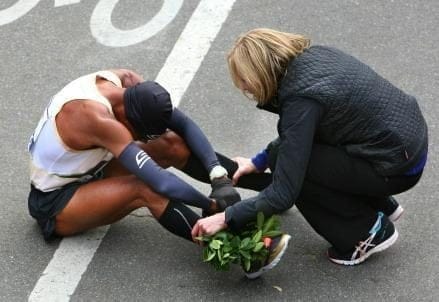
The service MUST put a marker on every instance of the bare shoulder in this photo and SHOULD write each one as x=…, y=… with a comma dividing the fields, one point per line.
x=85, y=124
x=81, y=113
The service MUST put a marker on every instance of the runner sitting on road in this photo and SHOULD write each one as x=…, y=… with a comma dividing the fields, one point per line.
x=87, y=170
x=348, y=140
x=99, y=151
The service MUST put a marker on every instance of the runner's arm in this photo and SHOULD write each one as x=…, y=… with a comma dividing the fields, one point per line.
x=194, y=138
x=97, y=127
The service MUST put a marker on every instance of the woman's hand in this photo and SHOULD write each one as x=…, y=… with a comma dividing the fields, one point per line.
x=209, y=225
x=245, y=166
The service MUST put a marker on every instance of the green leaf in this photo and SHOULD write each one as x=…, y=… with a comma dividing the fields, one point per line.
x=245, y=242
x=204, y=238
x=268, y=224
x=235, y=259
x=225, y=267
x=210, y=256
x=247, y=264
x=245, y=254
x=215, y=244
x=258, y=247
x=257, y=237
x=205, y=253
x=260, y=220
x=221, y=235
x=235, y=242
x=227, y=248
x=273, y=233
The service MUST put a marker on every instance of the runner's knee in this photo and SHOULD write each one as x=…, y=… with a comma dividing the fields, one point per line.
x=177, y=152
x=155, y=202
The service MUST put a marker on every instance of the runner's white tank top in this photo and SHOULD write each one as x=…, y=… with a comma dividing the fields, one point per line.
x=53, y=164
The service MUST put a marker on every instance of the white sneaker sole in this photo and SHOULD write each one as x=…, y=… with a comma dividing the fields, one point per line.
x=273, y=263
x=379, y=248
x=396, y=214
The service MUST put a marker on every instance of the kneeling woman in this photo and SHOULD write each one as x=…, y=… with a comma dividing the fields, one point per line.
x=348, y=141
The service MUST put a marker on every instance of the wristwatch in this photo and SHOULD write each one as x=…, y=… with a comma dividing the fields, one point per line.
x=217, y=172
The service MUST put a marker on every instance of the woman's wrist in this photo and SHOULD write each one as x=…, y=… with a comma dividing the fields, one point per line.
x=222, y=216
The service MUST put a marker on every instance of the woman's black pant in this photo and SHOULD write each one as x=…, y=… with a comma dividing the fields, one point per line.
x=340, y=197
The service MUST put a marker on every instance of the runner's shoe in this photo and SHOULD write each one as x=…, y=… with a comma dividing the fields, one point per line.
x=277, y=248
x=382, y=235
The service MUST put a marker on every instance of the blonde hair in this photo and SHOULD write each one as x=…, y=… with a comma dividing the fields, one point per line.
x=260, y=58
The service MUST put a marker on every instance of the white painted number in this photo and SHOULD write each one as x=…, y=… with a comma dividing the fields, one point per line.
x=101, y=26
x=105, y=33
x=19, y=9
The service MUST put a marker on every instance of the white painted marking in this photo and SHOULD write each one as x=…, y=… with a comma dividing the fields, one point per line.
x=65, y=270
x=193, y=44
x=59, y=3
x=72, y=257
x=19, y=9
x=105, y=33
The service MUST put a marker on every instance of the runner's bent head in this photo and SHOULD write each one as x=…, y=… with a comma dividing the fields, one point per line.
x=148, y=108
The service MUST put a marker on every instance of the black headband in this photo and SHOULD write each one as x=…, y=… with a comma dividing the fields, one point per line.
x=148, y=108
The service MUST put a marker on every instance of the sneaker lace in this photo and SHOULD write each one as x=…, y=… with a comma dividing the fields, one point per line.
x=363, y=246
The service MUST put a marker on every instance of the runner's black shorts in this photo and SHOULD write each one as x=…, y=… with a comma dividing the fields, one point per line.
x=44, y=206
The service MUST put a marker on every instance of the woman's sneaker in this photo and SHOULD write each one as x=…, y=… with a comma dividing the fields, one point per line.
x=393, y=210
x=277, y=248
x=382, y=235
x=396, y=214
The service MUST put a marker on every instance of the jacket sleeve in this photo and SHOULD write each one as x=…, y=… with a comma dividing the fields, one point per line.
x=298, y=122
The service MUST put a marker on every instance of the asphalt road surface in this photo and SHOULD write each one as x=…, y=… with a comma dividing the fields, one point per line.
x=183, y=44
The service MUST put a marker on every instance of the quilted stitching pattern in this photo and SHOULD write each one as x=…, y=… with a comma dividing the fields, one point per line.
x=363, y=112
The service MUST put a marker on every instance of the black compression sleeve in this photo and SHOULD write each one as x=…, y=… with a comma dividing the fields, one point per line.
x=160, y=180
x=194, y=137
x=179, y=219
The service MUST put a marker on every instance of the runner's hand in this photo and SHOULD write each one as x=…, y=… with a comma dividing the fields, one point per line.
x=223, y=190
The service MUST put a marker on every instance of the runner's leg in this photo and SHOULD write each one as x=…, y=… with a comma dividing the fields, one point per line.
x=170, y=150
x=108, y=200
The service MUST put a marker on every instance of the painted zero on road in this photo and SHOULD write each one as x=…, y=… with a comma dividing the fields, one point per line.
x=101, y=26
